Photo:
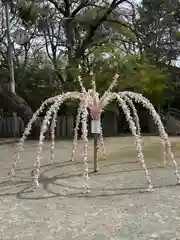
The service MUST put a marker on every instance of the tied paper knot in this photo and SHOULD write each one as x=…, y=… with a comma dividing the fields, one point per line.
x=96, y=112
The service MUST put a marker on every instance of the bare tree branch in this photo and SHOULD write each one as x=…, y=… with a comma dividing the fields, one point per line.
x=83, y=4
x=80, y=50
x=57, y=6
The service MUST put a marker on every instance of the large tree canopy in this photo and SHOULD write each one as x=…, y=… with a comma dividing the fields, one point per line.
x=67, y=38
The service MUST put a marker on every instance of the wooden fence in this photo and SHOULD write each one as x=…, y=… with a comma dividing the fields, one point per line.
x=65, y=126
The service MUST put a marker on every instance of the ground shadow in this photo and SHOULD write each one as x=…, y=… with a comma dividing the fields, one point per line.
x=5, y=142
x=22, y=194
x=71, y=163
x=79, y=172
x=21, y=187
x=52, y=166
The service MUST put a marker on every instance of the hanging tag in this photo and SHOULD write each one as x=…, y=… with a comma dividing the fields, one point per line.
x=95, y=126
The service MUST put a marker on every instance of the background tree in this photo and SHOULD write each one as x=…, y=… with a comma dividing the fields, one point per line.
x=157, y=26
x=139, y=42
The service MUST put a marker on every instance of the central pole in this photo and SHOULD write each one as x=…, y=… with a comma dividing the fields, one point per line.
x=96, y=130
x=96, y=147
x=10, y=61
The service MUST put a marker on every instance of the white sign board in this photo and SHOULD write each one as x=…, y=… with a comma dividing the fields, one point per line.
x=95, y=126
x=21, y=37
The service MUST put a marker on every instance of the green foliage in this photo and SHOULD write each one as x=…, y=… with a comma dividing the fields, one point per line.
x=69, y=40
x=36, y=83
x=177, y=36
x=158, y=24
x=28, y=11
x=136, y=74
x=146, y=78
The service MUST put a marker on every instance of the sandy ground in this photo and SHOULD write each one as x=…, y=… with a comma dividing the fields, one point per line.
x=118, y=207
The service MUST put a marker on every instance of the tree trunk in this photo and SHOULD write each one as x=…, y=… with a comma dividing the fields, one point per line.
x=14, y=103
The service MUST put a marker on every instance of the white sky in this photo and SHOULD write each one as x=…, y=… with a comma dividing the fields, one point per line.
x=138, y=1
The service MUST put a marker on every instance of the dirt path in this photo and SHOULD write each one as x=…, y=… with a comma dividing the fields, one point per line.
x=117, y=208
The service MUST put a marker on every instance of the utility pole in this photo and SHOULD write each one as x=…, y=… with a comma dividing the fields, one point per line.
x=10, y=59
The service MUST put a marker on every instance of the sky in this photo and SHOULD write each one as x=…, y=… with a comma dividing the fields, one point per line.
x=138, y=1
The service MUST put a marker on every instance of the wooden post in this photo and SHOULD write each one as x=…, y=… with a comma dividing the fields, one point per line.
x=96, y=147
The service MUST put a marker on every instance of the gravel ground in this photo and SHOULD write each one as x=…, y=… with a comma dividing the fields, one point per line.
x=118, y=207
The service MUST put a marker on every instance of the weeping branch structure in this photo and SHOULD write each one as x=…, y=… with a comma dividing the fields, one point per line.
x=90, y=100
